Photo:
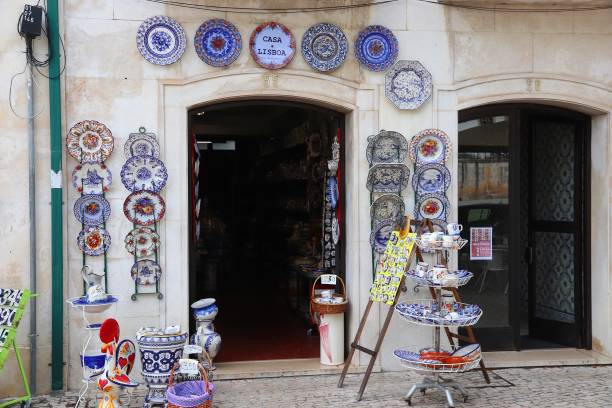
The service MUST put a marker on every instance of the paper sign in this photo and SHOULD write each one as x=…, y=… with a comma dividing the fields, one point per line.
x=192, y=349
x=328, y=279
x=188, y=366
x=481, y=243
x=391, y=267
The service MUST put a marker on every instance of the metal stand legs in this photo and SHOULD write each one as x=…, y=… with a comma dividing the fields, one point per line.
x=440, y=384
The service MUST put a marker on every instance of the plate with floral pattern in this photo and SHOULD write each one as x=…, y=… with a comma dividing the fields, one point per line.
x=272, y=45
x=387, y=207
x=408, y=84
x=380, y=235
x=433, y=206
x=324, y=47
x=144, y=207
x=92, y=209
x=161, y=40
x=91, y=178
x=142, y=143
x=93, y=241
x=142, y=241
x=218, y=42
x=144, y=173
x=388, y=178
x=386, y=147
x=431, y=178
x=430, y=146
x=146, y=272
x=376, y=48
x=90, y=141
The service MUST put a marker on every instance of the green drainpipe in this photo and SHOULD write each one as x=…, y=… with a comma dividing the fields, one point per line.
x=57, y=239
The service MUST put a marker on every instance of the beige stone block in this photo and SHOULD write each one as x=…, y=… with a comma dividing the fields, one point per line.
x=534, y=22
x=469, y=20
x=391, y=15
x=434, y=17
x=98, y=9
x=433, y=49
x=593, y=22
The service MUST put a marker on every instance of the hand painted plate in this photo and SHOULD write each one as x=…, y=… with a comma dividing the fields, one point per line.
x=388, y=178
x=386, y=147
x=146, y=272
x=431, y=178
x=125, y=356
x=144, y=207
x=161, y=40
x=93, y=241
x=144, y=173
x=141, y=144
x=218, y=42
x=430, y=146
x=142, y=241
x=408, y=84
x=433, y=206
x=332, y=191
x=92, y=209
x=387, y=207
x=407, y=355
x=376, y=48
x=90, y=141
x=91, y=178
x=272, y=45
x=380, y=235
x=324, y=47
x=335, y=229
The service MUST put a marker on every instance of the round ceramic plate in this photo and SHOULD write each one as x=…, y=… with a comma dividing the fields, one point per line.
x=218, y=42
x=387, y=207
x=430, y=146
x=433, y=206
x=376, y=48
x=332, y=191
x=142, y=241
x=92, y=209
x=146, y=272
x=408, y=84
x=272, y=45
x=431, y=178
x=144, y=207
x=386, y=147
x=335, y=229
x=124, y=359
x=144, y=173
x=380, y=235
x=324, y=47
x=161, y=40
x=141, y=144
x=89, y=141
x=91, y=178
x=93, y=241
x=388, y=178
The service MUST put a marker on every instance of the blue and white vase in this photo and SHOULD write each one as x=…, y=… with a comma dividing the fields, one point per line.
x=204, y=312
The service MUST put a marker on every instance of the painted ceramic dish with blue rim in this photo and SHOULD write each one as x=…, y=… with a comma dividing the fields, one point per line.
x=90, y=141
x=332, y=191
x=144, y=173
x=91, y=178
x=97, y=306
x=144, y=207
x=387, y=207
x=431, y=178
x=406, y=355
x=161, y=40
x=218, y=42
x=205, y=308
x=141, y=143
x=324, y=47
x=146, y=272
x=433, y=206
x=142, y=241
x=376, y=48
x=380, y=235
x=408, y=84
x=92, y=209
x=429, y=146
x=388, y=178
x=93, y=241
x=386, y=147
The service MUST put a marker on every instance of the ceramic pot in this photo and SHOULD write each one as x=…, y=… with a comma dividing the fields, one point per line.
x=204, y=312
x=93, y=363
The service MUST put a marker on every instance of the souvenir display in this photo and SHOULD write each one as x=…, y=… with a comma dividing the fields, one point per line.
x=324, y=47
x=141, y=144
x=335, y=231
x=431, y=178
x=376, y=48
x=161, y=40
x=144, y=207
x=433, y=206
x=430, y=146
x=386, y=147
x=380, y=235
x=90, y=141
x=218, y=42
x=387, y=207
x=93, y=241
x=92, y=209
x=272, y=45
x=408, y=84
x=332, y=192
x=142, y=241
x=144, y=173
x=146, y=272
x=204, y=313
x=428, y=312
x=91, y=178
x=388, y=178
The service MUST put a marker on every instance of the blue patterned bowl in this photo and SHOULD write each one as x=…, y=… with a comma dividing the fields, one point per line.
x=205, y=309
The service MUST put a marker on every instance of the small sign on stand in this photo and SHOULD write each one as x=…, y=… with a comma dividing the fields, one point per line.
x=481, y=244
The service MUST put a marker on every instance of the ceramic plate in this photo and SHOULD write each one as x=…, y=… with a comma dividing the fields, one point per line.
x=91, y=178
x=161, y=40
x=388, y=178
x=144, y=173
x=92, y=209
x=408, y=84
x=335, y=229
x=218, y=42
x=332, y=191
x=144, y=207
x=386, y=147
x=141, y=144
x=406, y=355
x=125, y=356
x=431, y=178
x=146, y=272
x=376, y=48
x=380, y=235
x=89, y=141
x=93, y=241
x=429, y=146
x=272, y=45
x=433, y=206
x=324, y=47
x=387, y=207
x=142, y=241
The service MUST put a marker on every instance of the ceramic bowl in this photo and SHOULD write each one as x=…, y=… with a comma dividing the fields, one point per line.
x=92, y=362
x=205, y=309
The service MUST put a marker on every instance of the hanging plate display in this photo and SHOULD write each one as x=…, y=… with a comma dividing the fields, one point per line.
x=386, y=147
x=324, y=47
x=272, y=45
x=91, y=178
x=332, y=192
x=380, y=235
x=388, y=178
x=218, y=42
x=93, y=241
x=144, y=173
x=433, y=206
x=376, y=48
x=430, y=146
x=92, y=209
x=387, y=207
x=146, y=272
x=161, y=40
x=408, y=84
x=90, y=141
x=142, y=241
x=144, y=207
x=335, y=230
x=431, y=178
x=141, y=144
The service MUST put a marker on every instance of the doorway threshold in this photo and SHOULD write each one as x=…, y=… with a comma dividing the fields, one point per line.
x=544, y=358
x=238, y=370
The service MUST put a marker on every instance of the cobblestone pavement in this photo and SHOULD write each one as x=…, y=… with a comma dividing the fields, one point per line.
x=536, y=387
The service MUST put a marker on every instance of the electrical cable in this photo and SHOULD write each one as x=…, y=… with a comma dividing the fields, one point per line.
x=253, y=10
x=506, y=9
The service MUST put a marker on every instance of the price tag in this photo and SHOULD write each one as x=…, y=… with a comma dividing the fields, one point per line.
x=328, y=279
x=192, y=349
x=188, y=366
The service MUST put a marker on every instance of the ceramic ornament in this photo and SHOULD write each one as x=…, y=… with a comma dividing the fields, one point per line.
x=324, y=47
x=144, y=173
x=386, y=147
x=272, y=45
x=90, y=141
x=92, y=209
x=430, y=146
x=91, y=178
x=376, y=48
x=218, y=42
x=408, y=84
x=141, y=143
x=161, y=40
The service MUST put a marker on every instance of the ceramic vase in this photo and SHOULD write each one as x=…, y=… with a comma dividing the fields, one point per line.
x=204, y=312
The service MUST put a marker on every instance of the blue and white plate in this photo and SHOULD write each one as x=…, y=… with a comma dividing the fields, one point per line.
x=380, y=235
x=386, y=147
x=146, y=272
x=92, y=209
x=431, y=178
x=144, y=173
x=376, y=48
x=218, y=42
x=91, y=178
x=408, y=84
x=324, y=47
x=161, y=40
x=332, y=192
x=141, y=143
x=388, y=178
x=406, y=355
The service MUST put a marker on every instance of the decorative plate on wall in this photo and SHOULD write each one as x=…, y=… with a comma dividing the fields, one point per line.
x=408, y=84
x=272, y=45
x=380, y=235
x=144, y=173
x=431, y=178
x=433, y=206
x=91, y=178
x=387, y=207
x=90, y=141
x=92, y=209
x=161, y=40
x=144, y=207
x=430, y=146
x=388, y=178
x=376, y=48
x=146, y=272
x=218, y=42
x=324, y=47
x=141, y=144
x=93, y=241
x=142, y=241
x=386, y=147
